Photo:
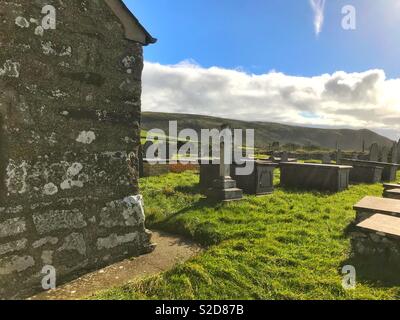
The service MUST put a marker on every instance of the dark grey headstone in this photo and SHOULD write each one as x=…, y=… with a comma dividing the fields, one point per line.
x=384, y=154
x=374, y=152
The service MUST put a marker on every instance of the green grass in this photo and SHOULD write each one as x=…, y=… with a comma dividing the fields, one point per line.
x=289, y=245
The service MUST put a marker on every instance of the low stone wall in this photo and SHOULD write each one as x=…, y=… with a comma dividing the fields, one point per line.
x=154, y=169
x=376, y=245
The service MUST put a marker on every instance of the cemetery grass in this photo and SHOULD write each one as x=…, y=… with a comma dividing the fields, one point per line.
x=288, y=245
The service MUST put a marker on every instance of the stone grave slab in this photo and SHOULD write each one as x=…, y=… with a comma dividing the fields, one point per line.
x=392, y=194
x=311, y=176
x=378, y=237
x=388, y=186
x=389, y=169
x=369, y=206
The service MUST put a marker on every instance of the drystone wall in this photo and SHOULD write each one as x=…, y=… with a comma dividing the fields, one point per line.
x=70, y=117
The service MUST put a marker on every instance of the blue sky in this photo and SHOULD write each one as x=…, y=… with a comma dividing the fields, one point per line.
x=262, y=60
x=264, y=35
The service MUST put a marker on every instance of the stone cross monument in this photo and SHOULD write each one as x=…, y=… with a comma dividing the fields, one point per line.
x=224, y=188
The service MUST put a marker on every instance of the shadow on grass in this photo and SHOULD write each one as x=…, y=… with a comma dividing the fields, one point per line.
x=297, y=191
x=204, y=233
x=192, y=189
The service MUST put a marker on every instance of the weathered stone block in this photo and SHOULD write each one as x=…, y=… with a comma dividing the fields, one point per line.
x=115, y=240
x=13, y=246
x=128, y=212
x=12, y=227
x=57, y=220
x=15, y=264
x=320, y=177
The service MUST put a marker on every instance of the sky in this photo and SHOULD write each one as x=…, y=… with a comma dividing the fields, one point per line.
x=287, y=61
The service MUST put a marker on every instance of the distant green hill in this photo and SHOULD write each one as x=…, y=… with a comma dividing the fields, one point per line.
x=267, y=132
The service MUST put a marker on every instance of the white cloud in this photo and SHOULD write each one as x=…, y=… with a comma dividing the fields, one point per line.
x=318, y=7
x=346, y=100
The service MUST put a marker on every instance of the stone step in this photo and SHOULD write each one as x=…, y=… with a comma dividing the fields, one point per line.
x=224, y=184
x=392, y=194
x=232, y=194
x=382, y=224
x=388, y=186
x=369, y=206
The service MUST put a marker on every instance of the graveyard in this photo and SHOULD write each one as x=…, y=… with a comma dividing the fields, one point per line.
x=128, y=173
x=291, y=244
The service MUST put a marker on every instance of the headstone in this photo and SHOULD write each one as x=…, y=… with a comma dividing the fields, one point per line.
x=384, y=154
x=374, y=152
x=338, y=156
x=224, y=188
x=326, y=159
x=285, y=157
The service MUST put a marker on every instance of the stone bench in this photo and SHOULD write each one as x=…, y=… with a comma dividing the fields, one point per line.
x=369, y=206
x=389, y=169
x=312, y=176
x=379, y=237
x=364, y=173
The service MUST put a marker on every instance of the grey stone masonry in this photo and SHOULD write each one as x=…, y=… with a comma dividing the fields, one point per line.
x=70, y=110
x=378, y=237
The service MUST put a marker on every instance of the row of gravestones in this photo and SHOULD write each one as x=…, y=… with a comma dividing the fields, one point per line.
x=376, y=154
x=384, y=154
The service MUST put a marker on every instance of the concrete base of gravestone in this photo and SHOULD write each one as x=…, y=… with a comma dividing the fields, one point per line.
x=392, y=194
x=224, y=189
x=365, y=174
x=378, y=237
x=260, y=181
x=389, y=169
x=369, y=206
x=313, y=176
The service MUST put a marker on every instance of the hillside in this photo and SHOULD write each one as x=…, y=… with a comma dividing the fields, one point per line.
x=267, y=132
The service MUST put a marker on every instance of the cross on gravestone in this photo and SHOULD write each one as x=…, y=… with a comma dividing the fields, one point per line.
x=224, y=188
x=374, y=152
x=326, y=159
x=225, y=158
x=384, y=154
x=285, y=157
